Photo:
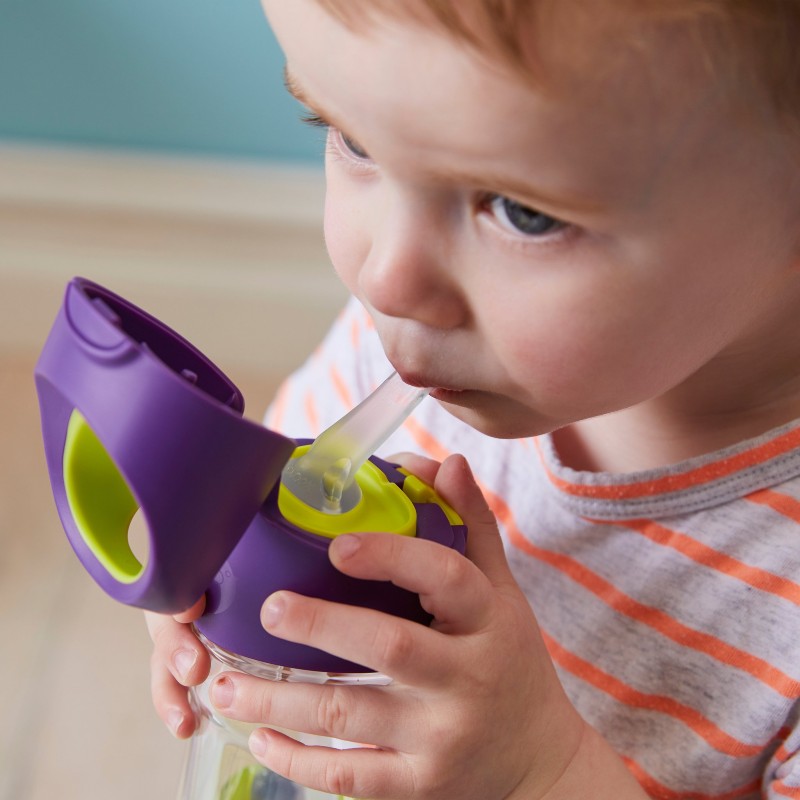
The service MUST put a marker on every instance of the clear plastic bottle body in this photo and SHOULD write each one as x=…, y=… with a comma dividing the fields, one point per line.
x=219, y=765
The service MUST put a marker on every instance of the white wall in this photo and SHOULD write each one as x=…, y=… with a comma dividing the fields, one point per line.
x=229, y=253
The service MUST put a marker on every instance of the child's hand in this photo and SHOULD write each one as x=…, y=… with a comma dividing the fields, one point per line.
x=475, y=709
x=179, y=660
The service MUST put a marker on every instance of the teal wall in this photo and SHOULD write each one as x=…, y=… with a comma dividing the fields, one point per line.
x=190, y=76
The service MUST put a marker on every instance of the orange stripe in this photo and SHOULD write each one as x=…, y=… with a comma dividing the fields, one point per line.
x=355, y=334
x=785, y=791
x=311, y=413
x=688, y=716
x=657, y=789
x=341, y=388
x=782, y=754
x=693, y=478
x=656, y=619
x=278, y=409
x=620, y=602
x=714, y=559
x=783, y=504
x=425, y=440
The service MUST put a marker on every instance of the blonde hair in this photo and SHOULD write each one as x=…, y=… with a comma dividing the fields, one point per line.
x=754, y=41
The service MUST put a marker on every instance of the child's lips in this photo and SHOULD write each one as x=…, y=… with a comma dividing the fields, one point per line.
x=457, y=396
x=414, y=379
x=423, y=382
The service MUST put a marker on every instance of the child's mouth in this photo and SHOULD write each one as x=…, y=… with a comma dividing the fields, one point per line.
x=445, y=393
x=448, y=395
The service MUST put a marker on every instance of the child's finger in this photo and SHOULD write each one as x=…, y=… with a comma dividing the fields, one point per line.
x=351, y=713
x=405, y=651
x=457, y=485
x=358, y=772
x=171, y=701
x=454, y=481
x=421, y=466
x=193, y=613
x=450, y=587
x=178, y=649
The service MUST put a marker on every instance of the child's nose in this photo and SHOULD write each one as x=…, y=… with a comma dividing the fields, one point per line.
x=408, y=273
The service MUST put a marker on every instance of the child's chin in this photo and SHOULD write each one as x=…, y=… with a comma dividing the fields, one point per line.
x=482, y=411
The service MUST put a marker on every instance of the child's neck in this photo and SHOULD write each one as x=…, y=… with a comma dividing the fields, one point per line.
x=738, y=395
x=635, y=440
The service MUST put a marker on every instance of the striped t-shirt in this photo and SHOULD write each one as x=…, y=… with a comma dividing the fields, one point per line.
x=669, y=599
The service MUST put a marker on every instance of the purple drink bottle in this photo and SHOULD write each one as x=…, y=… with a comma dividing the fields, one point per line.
x=135, y=419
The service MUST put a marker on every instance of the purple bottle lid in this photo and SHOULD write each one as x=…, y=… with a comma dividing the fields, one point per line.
x=135, y=417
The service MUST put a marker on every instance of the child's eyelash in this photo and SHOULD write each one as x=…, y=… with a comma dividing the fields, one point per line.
x=345, y=145
x=315, y=120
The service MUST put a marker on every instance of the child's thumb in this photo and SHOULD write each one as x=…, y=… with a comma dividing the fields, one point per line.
x=457, y=485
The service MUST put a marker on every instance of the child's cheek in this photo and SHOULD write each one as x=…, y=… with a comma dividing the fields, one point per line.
x=345, y=242
x=574, y=369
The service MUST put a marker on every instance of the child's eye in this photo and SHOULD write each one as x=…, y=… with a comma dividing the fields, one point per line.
x=522, y=219
x=352, y=147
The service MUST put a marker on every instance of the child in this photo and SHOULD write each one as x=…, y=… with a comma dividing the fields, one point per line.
x=580, y=223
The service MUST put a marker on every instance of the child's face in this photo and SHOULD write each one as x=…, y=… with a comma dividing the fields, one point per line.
x=542, y=255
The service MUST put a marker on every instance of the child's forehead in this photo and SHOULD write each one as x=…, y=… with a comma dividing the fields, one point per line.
x=744, y=48
x=749, y=42
x=534, y=37
x=584, y=69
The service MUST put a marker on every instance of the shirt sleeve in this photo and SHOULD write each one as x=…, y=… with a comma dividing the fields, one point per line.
x=782, y=776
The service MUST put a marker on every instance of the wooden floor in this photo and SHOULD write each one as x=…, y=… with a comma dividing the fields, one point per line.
x=77, y=722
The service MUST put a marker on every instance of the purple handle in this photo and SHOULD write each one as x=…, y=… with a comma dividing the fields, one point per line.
x=171, y=423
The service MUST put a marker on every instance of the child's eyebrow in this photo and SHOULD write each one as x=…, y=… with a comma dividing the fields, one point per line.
x=293, y=87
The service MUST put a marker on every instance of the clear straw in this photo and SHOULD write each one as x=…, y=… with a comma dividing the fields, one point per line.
x=324, y=476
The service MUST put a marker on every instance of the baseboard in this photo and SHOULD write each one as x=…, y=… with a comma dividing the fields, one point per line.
x=230, y=254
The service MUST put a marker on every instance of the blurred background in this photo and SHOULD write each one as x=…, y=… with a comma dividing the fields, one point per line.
x=149, y=146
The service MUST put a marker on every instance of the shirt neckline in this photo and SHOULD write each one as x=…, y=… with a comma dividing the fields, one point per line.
x=691, y=485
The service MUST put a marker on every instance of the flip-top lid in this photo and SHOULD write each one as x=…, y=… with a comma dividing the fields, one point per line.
x=135, y=418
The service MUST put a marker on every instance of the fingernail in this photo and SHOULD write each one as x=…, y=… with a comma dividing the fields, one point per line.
x=258, y=743
x=346, y=545
x=222, y=692
x=183, y=661
x=273, y=611
x=175, y=719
